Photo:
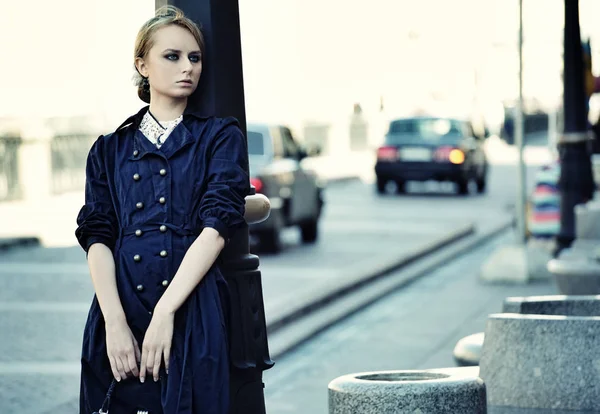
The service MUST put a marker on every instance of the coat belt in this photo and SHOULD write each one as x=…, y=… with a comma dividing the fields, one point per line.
x=185, y=230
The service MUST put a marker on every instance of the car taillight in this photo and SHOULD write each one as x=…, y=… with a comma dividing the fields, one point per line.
x=387, y=153
x=449, y=154
x=456, y=156
x=257, y=184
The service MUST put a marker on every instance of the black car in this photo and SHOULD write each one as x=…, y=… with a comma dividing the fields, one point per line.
x=295, y=194
x=431, y=148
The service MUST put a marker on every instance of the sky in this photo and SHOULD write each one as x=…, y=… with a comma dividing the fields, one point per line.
x=304, y=60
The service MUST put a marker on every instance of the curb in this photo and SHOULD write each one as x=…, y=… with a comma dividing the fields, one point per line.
x=11, y=243
x=294, y=331
x=340, y=180
x=317, y=300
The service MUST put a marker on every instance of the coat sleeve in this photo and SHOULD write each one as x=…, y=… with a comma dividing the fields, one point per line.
x=97, y=221
x=222, y=206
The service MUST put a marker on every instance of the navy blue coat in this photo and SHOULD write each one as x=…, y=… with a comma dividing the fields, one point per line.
x=148, y=205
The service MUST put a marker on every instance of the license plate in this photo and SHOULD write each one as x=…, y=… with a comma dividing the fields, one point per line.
x=415, y=154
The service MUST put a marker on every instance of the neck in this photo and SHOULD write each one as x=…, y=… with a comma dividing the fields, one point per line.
x=166, y=109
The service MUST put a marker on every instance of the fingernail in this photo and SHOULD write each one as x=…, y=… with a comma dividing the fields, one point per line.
x=155, y=379
x=142, y=379
x=118, y=379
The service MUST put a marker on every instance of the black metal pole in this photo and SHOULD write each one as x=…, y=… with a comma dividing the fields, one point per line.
x=576, y=180
x=221, y=93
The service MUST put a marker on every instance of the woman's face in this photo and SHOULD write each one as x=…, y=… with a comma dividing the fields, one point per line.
x=174, y=63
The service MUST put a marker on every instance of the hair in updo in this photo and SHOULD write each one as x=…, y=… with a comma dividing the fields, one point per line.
x=165, y=16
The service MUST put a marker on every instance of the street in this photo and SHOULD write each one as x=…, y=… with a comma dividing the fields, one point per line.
x=414, y=328
x=47, y=291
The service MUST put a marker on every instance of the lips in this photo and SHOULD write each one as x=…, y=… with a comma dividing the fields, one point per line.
x=186, y=81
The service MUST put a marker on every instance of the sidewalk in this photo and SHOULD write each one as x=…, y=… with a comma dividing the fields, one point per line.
x=414, y=328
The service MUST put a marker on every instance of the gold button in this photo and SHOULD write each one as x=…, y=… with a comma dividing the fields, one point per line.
x=135, y=153
x=137, y=258
x=136, y=177
x=165, y=283
x=163, y=253
x=162, y=200
x=138, y=232
x=163, y=172
x=140, y=287
x=140, y=205
x=163, y=228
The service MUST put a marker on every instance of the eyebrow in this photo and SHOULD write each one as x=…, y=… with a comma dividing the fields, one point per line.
x=179, y=51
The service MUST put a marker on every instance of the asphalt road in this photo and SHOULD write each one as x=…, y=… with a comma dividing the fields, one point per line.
x=46, y=291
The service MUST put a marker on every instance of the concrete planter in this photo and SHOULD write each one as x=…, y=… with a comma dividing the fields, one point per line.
x=544, y=357
x=576, y=274
x=558, y=305
x=448, y=391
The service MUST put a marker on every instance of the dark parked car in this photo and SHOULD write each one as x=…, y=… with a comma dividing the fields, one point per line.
x=431, y=148
x=295, y=194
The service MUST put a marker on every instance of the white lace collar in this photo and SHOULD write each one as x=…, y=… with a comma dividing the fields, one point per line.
x=157, y=132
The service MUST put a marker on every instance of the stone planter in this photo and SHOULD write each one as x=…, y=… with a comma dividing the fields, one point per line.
x=546, y=356
x=448, y=391
x=554, y=305
x=587, y=221
x=576, y=274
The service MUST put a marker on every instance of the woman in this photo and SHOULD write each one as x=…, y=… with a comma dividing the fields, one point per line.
x=164, y=193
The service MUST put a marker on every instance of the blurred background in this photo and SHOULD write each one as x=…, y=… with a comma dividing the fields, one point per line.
x=323, y=79
x=305, y=62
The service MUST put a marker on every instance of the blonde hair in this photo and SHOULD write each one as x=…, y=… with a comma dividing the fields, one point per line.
x=165, y=16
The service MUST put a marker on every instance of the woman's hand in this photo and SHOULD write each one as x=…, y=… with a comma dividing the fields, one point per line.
x=122, y=349
x=157, y=343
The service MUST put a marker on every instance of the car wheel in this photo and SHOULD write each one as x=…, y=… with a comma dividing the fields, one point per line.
x=381, y=185
x=481, y=185
x=270, y=241
x=400, y=187
x=463, y=186
x=310, y=231
x=270, y=238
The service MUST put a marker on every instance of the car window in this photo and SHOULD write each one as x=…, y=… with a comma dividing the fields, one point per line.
x=290, y=149
x=277, y=144
x=468, y=128
x=256, y=143
x=427, y=129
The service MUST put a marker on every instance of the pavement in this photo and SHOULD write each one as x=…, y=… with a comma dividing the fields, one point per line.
x=415, y=327
x=47, y=289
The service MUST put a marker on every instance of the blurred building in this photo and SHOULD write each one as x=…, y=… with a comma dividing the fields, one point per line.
x=305, y=62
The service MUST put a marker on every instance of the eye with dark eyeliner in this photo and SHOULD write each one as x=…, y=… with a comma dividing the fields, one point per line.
x=195, y=58
x=172, y=56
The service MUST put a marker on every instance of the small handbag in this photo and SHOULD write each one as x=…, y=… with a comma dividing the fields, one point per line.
x=106, y=404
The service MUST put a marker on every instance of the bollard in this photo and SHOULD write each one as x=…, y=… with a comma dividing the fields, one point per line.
x=545, y=356
x=447, y=391
x=258, y=208
x=467, y=351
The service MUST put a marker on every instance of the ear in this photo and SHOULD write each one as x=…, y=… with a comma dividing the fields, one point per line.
x=140, y=65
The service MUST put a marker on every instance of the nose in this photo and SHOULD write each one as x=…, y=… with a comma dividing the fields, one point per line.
x=187, y=66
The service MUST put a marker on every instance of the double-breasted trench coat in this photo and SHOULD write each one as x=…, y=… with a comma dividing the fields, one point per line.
x=148, y=205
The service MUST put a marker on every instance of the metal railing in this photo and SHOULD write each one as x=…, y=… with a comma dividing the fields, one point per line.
x=9, y=168
x=69, y=154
